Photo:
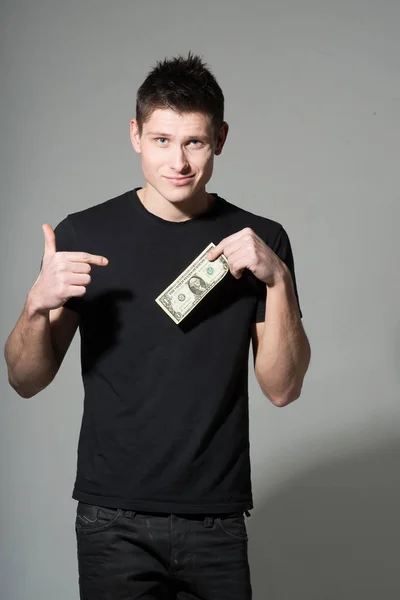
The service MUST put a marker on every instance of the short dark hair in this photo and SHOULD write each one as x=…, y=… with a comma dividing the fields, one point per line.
x=183, y=84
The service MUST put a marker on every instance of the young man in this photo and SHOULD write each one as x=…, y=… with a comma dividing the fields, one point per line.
x=163, y=477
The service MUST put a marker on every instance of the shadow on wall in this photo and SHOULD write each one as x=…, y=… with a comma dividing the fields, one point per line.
x=333, y=532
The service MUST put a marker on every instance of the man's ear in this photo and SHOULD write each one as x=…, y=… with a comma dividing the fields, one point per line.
x=221, y=138
x=135, y=136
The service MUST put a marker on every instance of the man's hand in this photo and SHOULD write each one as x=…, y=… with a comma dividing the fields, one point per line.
x=245, y=250
x=63, y=274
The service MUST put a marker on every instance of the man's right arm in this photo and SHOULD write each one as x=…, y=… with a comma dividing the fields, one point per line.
x=37, y=345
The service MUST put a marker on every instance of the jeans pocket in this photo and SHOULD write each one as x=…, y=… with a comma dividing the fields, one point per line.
x=234, y=526
x=91, y=518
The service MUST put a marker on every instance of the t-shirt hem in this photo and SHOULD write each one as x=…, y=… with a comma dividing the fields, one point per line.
x=164, y=506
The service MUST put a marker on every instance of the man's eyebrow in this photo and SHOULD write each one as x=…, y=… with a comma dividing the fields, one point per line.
x=167, y=135
x=159, y=134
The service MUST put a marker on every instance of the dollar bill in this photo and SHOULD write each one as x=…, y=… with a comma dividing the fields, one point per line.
x=183, y=294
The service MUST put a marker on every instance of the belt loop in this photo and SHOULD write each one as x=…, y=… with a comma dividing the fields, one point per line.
x=208, y=521
x=131, y=514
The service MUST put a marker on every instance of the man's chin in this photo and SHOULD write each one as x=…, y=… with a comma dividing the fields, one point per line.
x=179, y=193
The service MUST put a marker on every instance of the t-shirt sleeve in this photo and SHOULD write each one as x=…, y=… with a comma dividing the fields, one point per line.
x=283, y=250
x=66, y=242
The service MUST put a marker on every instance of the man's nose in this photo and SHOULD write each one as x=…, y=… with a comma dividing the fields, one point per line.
x=179, y=160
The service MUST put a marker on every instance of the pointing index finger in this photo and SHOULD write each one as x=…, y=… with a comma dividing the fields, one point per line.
x=86, y=257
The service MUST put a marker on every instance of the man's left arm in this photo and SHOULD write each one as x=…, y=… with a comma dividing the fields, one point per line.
x=280, y=345
x=281, y=348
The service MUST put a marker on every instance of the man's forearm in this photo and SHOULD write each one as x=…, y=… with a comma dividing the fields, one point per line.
x=284, y=352
x=29, y=353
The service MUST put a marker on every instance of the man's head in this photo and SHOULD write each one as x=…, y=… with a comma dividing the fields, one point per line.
x=179, y=126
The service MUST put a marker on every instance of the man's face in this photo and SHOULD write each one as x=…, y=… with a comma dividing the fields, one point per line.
x=177, y=152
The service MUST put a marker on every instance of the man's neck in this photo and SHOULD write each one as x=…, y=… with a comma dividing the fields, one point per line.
x=178, y=212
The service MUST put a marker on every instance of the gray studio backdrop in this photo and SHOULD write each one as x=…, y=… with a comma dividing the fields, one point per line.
x=313, y=100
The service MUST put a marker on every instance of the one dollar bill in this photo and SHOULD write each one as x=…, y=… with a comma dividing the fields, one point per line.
x=183, y=294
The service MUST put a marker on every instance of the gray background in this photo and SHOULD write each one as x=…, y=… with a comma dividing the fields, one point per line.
x=313, y=100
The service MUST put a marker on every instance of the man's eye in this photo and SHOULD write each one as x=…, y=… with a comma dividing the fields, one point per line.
x=161, y=140
x=195, y=142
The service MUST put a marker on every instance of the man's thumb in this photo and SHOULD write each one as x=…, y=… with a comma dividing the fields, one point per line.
x=49, y=240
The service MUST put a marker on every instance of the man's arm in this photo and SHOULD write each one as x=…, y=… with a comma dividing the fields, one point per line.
x=281, y=349
x=36, y=347
x=280, y=346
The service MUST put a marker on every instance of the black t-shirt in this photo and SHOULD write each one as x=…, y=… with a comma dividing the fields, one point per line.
x=165, y=424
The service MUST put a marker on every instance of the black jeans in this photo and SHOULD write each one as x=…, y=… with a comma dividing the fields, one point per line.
x=129, y=555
